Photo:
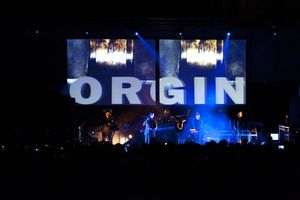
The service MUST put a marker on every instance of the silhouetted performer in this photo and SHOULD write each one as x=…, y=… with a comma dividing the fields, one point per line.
x=196, y=129
x=240, y=126
x=108, y=126
x=180, y=127
x=150, y=127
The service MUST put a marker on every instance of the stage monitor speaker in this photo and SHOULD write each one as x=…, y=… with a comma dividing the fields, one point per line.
x=295, y=113
x=284, y=134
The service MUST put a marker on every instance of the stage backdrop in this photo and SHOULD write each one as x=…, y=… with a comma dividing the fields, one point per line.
x=126, y=71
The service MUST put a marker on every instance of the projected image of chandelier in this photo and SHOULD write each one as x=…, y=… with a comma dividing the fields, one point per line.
x=112, y=52
x=202, y=53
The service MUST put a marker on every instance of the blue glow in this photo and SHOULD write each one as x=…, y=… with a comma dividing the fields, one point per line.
x=180, y=34
x=216, y=123
x=136, y=33
x=275, y=34
x=86, y=33
x=226, y=49
x=228, y=34
x=150, y=50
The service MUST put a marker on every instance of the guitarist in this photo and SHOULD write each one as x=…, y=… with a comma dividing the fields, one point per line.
x=196, y=130
x=180, y=127
x=150, y=126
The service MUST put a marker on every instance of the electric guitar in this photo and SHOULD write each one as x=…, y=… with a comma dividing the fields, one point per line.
x=180, y=124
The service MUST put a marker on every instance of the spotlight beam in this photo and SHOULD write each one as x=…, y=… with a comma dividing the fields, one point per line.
x=150, y=50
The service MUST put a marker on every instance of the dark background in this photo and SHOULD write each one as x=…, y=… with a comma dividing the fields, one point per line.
x=33, y=51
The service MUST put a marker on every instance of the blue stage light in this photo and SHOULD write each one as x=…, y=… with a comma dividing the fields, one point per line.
x=136, y=33
x=228, y=34
x=86, y=33
x=180, y=34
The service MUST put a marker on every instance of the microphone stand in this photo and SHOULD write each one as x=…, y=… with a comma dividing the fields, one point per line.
x=238, y=129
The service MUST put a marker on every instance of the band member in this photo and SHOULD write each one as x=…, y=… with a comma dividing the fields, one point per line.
x=196, y=130
x=180, y=127
x=107, y=126
x=150, y=127
x=239, y=127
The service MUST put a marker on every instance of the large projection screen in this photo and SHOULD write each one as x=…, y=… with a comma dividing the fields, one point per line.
x=124, y=71
x=123, y=68
x=203, y=71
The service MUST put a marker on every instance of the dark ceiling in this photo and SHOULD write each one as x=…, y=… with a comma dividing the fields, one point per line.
x=217, y=12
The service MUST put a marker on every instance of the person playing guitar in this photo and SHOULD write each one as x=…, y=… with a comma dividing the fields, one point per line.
x=150, y=127
x=180, y=122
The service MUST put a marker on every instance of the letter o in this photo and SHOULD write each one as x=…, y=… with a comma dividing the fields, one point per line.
x=95, y=94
